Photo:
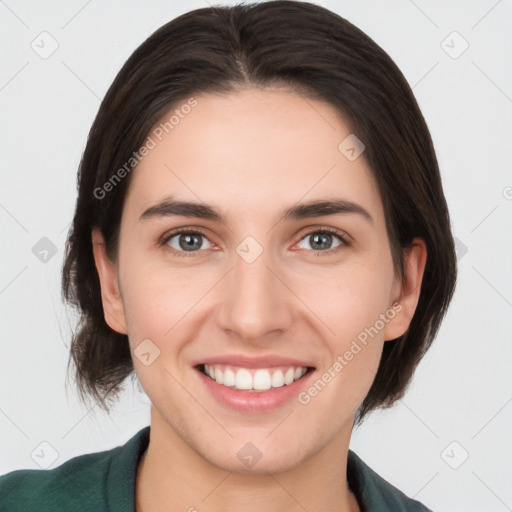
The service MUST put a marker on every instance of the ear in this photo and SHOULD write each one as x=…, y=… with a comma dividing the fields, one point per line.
x=113, y=308
x=406, y=292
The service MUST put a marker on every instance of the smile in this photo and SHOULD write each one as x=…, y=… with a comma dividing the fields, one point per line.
x=253, y=379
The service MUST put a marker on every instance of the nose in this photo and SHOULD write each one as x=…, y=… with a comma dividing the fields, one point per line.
x=255, y=301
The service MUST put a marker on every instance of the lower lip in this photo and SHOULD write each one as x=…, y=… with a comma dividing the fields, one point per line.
x=245, y=401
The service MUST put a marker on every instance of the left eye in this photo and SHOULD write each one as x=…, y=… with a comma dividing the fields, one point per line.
x=322, y=240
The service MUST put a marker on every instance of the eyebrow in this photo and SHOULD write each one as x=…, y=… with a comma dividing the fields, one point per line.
x=317, y=208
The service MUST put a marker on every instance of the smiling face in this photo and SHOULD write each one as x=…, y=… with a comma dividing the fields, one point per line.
x=248, y=287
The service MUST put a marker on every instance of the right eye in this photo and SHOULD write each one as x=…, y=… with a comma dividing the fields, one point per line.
x=183, y=241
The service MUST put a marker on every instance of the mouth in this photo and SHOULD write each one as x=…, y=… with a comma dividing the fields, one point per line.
x=254, y=380
x=253, y=385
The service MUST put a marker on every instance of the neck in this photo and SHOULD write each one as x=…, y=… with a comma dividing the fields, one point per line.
x=173, y=477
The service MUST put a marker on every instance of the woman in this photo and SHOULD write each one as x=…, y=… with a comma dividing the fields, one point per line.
x=262, y=236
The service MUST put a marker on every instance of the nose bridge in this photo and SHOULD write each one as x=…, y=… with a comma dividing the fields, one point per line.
x=254, y=301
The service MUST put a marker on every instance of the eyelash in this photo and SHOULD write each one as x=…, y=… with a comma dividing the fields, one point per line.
x=189, y=231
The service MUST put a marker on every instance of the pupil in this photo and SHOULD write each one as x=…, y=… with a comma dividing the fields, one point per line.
x=191, y=242
x=323, y=238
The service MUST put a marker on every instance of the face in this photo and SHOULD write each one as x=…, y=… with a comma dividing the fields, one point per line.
x=259, y=296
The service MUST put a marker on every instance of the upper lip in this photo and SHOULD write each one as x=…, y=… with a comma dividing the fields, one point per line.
x=245, y=361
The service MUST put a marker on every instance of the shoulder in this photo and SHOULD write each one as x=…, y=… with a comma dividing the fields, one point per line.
x=96, y=481
x=65, y=485
x=375, y=493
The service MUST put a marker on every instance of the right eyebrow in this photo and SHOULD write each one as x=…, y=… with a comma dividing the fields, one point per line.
x=172, y=208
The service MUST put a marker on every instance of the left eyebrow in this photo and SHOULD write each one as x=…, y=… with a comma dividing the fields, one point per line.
x=316, y=208
x=320, y=208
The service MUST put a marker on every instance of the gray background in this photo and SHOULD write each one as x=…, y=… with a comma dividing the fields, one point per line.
x=448, y=442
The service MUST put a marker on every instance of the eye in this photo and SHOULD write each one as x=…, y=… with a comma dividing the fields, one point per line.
x=185, y=241
x=321, y=240
x=188, y=242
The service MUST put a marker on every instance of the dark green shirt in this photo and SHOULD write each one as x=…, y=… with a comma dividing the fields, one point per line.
x=105, y=482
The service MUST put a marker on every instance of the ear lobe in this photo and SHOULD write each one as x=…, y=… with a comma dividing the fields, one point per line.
x=113, y=308
x=415, y=258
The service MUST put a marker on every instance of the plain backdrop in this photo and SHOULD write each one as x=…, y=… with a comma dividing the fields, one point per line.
x=448, y=442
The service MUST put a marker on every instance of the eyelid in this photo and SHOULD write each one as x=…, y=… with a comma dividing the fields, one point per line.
x=326, y=229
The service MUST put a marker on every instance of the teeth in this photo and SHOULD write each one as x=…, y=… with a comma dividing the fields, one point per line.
x=254, y=380
x=289, y=376
x=262, y=380
x=229, y=378
x=219, y=377
x=278, y=379
x=243, y=380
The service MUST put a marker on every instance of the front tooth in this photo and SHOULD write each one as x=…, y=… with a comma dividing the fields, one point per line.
x=243, y=379
x=289, y=376
x=219, y=377
x=229, y=378
x=262, y=380
x=277, y=379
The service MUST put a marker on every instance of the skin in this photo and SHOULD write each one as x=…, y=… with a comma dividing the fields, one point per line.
x=251, y=154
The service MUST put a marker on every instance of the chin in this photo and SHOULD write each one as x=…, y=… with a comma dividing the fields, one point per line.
x=244, y=456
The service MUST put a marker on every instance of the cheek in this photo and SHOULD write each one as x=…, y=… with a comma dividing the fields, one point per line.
x=350, y=299
x=155, y=303
x=349, y=303
x=354, y=344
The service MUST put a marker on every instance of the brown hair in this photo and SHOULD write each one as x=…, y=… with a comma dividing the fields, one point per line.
x=320, y=55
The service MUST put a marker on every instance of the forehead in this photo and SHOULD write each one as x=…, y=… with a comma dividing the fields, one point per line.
x=250, y=150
